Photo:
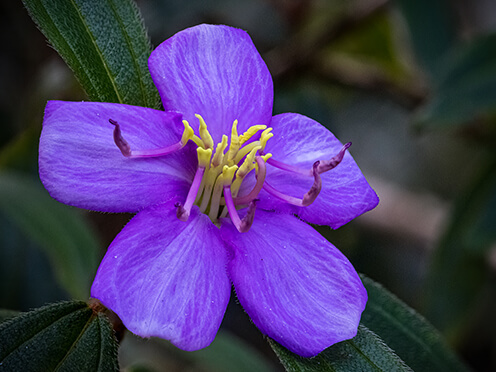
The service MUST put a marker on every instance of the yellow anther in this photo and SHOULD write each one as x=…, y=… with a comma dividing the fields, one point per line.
x=235, y=144
x=245, y=151
x=250, y=133
x=188, y=132
x=247, y=165
x=219, y=152
x=204, y=133
x=266, y=157
x=228, y=173
x=204, y=156
x=266, y=135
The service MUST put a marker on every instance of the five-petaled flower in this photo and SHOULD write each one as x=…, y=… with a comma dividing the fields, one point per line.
x=216, y=205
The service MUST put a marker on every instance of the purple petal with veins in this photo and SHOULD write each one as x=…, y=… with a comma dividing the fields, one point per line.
x=166, y=278
x=214, y=71
x=296, y=286
x=197, y=184
x=80, y=164
x=345, y=192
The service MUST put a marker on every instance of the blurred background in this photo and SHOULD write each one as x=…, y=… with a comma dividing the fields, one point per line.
x=411, y=83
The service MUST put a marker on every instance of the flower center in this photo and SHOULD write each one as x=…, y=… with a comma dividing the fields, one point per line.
x=220, y=173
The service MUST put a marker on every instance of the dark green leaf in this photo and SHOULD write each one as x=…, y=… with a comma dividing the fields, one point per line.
x=60, y=230
x=105, y=44
x=6, y=314
x=229, y=353
x=460, y=271
x=412, y=338
x=371, y=48
x=67, y=336
x=365, y=352
x=226, y=353
x=465, y=88
x=432, y=29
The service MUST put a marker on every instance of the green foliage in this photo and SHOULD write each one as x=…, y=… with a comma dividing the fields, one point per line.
x=411, y=337
x=60, y=230
x=464, y=88
x=105, y=44
x=459, y=270
x=391, y=337
x=225, y=354
x=432, y=28
x=229, y=353
x=6, y=314
x=66, y=336
x=365, y=352
x=371, y=48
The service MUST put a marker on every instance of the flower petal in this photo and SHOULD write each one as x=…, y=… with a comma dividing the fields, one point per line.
x=296, y=286
x=80, y=164
x=300, y=141
x=166, y=278
x=214, y=71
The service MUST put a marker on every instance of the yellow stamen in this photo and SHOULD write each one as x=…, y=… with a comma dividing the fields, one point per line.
x=235, y=144
x=266, y=135
x=248, y=164
x=266, y=157
x=204, y=156
x=204, y=133
x=228, y=173
x=246, y=150
x=250, y=133
x=218, y=158
x=189, y=134
x=223, y=180
x=221, y=168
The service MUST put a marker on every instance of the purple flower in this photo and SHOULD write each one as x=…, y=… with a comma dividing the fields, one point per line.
x=220, y=186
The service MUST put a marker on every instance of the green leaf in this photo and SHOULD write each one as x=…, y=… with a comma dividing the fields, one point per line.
x=226, y=353
x=459, y=272
x=465, y=88
x=229, y=353
x=412, y=338
x=21, y=153
x=432, y=29
x=370, y=48
x=60, y=230
x=6, y=314
x=66, y=336
x=104, y=42
x=365, y=352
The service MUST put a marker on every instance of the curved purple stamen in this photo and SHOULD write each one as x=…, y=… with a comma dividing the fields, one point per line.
x=326, y=165
x=128, y=153
x=288, y=167
x=308, y=198
x=119, y=140
x=184, y=211
x=243, y=225
x=262, y=171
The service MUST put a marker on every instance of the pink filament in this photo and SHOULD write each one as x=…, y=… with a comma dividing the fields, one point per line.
x=126, y=149
x=288, y=167
x=262, y=171
x=325, y=165
x=184, y=211
x=243, y=225
x=307, y=199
